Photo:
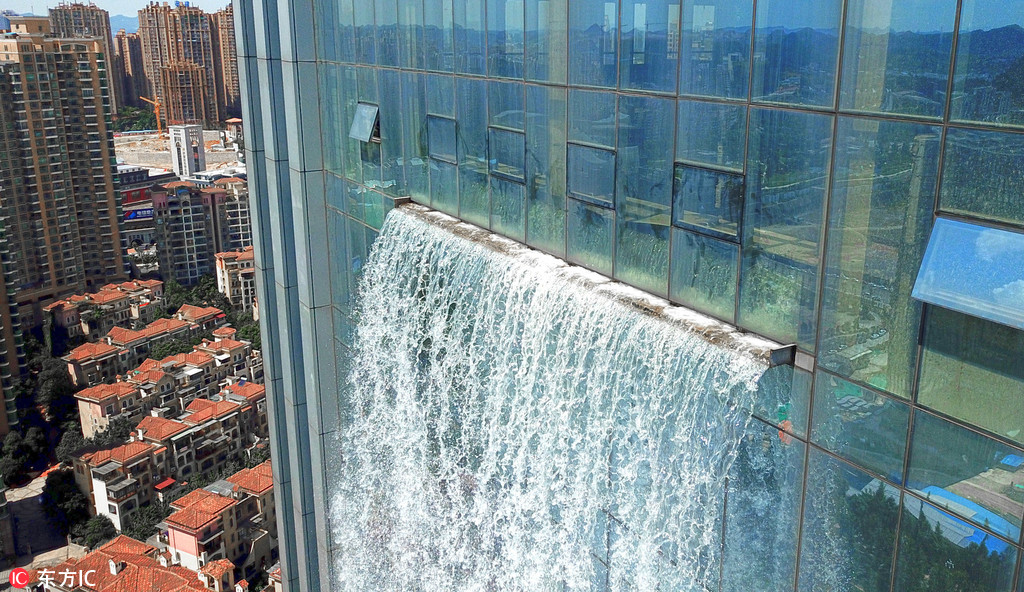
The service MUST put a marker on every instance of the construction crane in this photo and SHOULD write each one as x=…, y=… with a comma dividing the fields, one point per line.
x=156, y=111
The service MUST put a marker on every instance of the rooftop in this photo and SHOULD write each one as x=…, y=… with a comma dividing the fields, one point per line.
x=157, y=327
x=101, y=392
x=197, y=509
x=90, y=351
x=120, y=454
x=257, y=480
x=159, y=428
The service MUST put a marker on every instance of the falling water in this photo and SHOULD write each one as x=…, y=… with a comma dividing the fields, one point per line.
x=508, y=429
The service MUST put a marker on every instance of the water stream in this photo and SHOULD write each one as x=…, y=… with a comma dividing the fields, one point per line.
x=504, y=429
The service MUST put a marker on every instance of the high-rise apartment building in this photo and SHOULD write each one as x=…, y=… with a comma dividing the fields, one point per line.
x=172, y=38
x=82, y=21
x=128, y=49
x=226, y=57
x=833, y=174
x=60, y=200
x=193, y=225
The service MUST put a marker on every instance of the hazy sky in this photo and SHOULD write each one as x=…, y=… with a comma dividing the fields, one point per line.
x=125, y=7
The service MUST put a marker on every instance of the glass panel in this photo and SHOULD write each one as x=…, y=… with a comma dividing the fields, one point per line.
x=860, y=425
x=348, y=90
x=363, y=122
x=505, y=105
x=896, y=57
x=474, y=202
x=335, y=191
x=471, y=130
x=983, y=481
x=762, y=519
x=881, y=208
x=649, y=52
x=712, y=133
x=470, y=37
x=546, y=40
x=331, y=104
x=974, y=270
x=392, y=137
x=590, y=236
x=592, y=117
x=545, y=168
x=940, y=552
x=354, y=201
x=784, y=399
x=366, y=32
x=707, y=201
x=444, y=190
x=716, y=48
x=441, y=137
x=386, y=16
x=438, y=35
x=995, y=194
x=337, y=247
x=704, y=273
x=988, y=84
x=414, y=137
x=849, y=529
x=643, y=191
x=410, y=33
x=799, y=40
x=374, y=208
x=787, y=173
x=507, y=153
x=441, y=95
x=591, y=174
x=505, y=42
x=507, y=208
x=593, y=47
x=973, y=370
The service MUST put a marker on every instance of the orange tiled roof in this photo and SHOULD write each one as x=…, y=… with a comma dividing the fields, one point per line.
x=229, y=180
x=139, y=571
x=193, y=358
x=108, y=296
x=249, y=390
x=224, y=332
x=257, y=480
x=245, y=254
x=204, y=410
x=195, y=313
x=159, y=428
x=157, y=327
x=88, y=351
x=223, y=344
x=121, y=454
x=105, y=391
x=217, y=568
x=198, y=508
x=174, y=184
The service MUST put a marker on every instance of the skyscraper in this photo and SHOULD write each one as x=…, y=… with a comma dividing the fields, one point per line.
x=57, y=195
x=128, y=49
x=81, y=21
x=222, y=24
x=171, y=39
x=809, y=172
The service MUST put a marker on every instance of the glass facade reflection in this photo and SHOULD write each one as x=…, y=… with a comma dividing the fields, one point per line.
x=776, y=164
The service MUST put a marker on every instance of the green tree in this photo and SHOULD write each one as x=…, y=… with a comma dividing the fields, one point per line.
x=142, y=524
x=251, y=333
x=63, y=503
x=94, y=532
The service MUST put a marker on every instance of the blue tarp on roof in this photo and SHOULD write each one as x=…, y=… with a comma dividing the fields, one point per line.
x=993, y=522
x=1013, y=460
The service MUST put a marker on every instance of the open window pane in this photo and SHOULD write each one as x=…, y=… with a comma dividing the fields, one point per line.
x=364, y=122
x=708, y=201
x=975, y=270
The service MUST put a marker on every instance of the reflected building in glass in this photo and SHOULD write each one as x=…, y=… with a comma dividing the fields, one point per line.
x=778, y=164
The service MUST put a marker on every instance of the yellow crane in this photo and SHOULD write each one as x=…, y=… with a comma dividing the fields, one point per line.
x=156, y=111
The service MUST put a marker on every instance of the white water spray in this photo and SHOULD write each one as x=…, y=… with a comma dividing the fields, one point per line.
x=505, y=429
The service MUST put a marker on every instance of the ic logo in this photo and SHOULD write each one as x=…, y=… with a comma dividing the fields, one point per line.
x=19, y=578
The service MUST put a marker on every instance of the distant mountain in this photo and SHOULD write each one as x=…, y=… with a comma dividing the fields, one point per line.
x=130, y=24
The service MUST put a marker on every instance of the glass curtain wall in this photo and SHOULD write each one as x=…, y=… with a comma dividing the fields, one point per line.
x=777, y=164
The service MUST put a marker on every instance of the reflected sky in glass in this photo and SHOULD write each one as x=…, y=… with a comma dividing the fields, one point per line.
x=975, y=270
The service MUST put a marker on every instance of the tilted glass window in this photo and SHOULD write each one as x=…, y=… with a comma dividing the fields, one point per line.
x=591, y=175
x=975, y=270
x=708, y=201
x=364, y=123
